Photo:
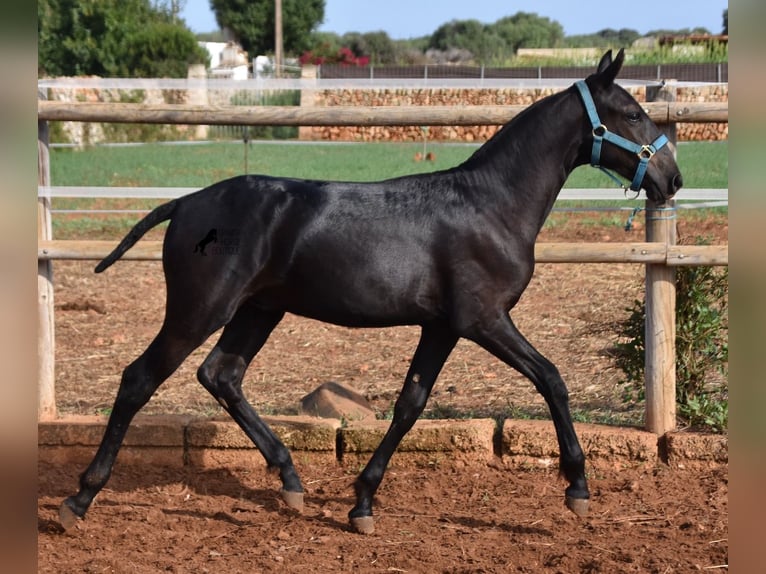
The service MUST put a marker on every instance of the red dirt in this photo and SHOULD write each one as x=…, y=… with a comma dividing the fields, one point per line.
x=455, y=519
x=470, y=519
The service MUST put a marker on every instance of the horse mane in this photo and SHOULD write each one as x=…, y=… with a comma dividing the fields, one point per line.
x=504, y=134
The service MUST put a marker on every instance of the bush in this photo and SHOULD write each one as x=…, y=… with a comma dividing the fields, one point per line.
x=702, y=348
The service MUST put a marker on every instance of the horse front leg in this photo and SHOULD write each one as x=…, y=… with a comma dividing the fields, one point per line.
x=501, y=338
x=436, y=343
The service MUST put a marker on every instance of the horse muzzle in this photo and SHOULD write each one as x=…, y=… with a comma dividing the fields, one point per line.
x=676, y=183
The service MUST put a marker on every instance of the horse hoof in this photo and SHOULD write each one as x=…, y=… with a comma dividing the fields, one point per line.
x=293, y=500
x=363, y=524
x=67, y=517
x=578, y=505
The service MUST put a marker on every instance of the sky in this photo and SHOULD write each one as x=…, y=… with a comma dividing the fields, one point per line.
x=403, y=19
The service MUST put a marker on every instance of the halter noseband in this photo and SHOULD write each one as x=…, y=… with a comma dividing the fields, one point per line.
x=601, y=133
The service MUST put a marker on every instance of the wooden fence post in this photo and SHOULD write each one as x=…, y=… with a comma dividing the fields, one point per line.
x=660, y=327
x=197, y=73
x=46, y=398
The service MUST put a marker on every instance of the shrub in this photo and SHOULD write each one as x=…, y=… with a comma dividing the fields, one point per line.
x=702, y=348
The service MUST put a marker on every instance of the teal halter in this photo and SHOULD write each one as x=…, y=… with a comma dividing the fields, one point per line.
x=601, y=133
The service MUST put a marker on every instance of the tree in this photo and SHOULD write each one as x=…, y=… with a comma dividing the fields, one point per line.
x=622, y=38
x=528, y=30
x=252, y=23
x=480, y=40
x=381, y=48
x=500, y=40
x=725, y=22
x=172, y=7
x=378, y=46
x=112, y=38
x=680, y=32
x=465, y=34
x=161, y=49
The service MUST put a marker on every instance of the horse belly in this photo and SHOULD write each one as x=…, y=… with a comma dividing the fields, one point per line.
x=379, y=291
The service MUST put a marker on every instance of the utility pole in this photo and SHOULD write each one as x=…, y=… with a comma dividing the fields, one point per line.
x=278, y=38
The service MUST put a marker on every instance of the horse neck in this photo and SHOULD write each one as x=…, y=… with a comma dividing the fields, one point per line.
x=533, y=154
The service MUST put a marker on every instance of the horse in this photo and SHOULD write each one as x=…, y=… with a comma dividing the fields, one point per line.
x=450, y=251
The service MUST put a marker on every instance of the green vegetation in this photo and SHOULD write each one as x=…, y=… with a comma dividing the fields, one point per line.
x=682, y=54
x=494, y=43
x=704, y=164
x=146, y=38
x=702, y=348
x=113, y=38
x=252, y=23
x=497, y=43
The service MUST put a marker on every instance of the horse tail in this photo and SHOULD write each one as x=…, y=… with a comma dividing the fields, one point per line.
x=157, y=215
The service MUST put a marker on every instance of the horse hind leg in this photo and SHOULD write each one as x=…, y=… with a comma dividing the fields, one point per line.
x=221, y=374
x=139, y=381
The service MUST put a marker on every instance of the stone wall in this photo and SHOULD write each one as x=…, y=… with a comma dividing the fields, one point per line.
x=81, y=133
x=183, y=441
x=475, y=97
x=704, y=93
x=84, y=133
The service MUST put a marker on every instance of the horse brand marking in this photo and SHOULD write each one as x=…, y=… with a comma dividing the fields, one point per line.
x=224, y=242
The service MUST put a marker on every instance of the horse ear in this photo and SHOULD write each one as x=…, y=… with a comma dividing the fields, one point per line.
x=608, y=69
x=606, y=59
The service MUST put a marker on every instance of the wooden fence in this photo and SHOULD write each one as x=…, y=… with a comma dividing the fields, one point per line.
x=659, y=112
x=659, y=253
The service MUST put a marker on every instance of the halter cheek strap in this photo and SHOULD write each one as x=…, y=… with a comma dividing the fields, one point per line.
x=601, y=133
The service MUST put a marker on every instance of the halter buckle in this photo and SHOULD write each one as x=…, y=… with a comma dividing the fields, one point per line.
x=646, y=152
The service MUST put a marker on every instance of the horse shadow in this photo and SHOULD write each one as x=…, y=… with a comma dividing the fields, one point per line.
x=55, y=481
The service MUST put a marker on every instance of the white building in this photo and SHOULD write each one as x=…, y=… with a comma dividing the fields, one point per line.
x=227, y=60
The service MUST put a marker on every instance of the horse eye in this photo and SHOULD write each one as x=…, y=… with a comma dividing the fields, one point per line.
x=633, y=117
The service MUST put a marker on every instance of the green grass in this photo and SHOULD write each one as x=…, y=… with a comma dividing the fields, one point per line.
x=703, y=164
x=201, y=165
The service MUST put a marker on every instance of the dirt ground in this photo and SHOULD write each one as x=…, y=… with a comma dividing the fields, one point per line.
x=468, y=519
x=458, y=519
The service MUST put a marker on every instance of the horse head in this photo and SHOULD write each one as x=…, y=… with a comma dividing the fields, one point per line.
x=622, y=137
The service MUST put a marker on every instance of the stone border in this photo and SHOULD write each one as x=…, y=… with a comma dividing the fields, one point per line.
x=178, y=441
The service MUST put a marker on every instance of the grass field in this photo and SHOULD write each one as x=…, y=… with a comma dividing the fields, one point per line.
x=703, y=164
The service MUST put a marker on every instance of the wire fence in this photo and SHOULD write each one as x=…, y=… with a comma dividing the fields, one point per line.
x=717, y=72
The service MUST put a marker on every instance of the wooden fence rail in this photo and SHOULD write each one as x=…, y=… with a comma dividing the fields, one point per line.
x=659, y=253
x=660, y=112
